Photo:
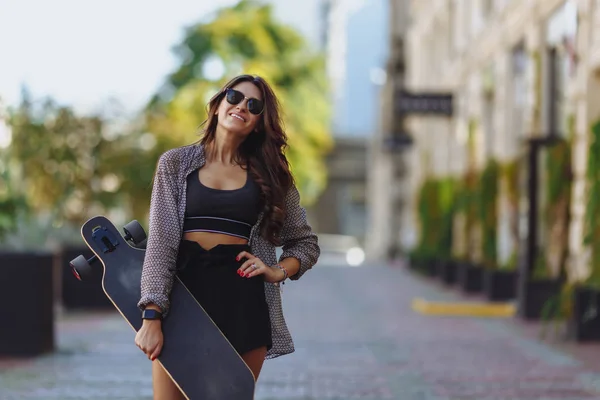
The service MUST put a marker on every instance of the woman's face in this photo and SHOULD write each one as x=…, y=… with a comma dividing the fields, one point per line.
x=236, y=118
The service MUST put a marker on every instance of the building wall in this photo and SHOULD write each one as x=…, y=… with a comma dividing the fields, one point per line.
x=485, y=52
x=386, y=188
x=341, y=207
x=354, y=38
x=355, y=32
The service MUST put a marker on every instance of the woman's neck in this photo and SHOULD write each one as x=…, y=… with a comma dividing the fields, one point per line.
x=224, y=149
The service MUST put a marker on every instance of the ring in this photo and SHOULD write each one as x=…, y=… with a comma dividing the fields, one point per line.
x=254, y=267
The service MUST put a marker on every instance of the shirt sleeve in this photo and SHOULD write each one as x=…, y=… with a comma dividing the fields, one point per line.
x=299, y=241
x=163, y=238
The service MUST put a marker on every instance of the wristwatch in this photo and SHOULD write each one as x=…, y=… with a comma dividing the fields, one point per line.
x=151, y=314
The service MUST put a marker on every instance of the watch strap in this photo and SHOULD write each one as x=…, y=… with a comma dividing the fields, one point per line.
x=151, y=314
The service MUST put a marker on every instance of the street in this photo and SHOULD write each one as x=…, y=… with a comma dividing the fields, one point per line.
x=356, y=337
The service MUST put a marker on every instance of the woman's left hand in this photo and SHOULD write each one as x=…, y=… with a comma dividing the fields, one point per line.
x=253, y=266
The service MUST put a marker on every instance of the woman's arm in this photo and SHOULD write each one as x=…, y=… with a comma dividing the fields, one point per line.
x=163, y=237
x=299, y=241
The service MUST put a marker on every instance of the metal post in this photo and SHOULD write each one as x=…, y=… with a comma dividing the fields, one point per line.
x=532, y=220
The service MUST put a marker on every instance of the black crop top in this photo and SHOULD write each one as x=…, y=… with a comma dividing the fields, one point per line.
x=231, y=212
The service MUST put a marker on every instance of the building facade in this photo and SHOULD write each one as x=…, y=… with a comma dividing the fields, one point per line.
x=354, y=40
x=387, y=188
x=517, y=69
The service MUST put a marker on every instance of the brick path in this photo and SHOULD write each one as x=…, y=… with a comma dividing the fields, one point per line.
x=356, y=338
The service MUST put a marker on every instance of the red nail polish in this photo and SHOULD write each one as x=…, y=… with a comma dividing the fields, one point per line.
x=237, y=258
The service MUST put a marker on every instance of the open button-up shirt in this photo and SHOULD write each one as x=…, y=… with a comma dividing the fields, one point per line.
x=167, y=213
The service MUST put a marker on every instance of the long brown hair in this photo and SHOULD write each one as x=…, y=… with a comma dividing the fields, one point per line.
x=263, y=152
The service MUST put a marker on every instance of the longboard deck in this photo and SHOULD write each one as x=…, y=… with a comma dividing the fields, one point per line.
x=195, y=354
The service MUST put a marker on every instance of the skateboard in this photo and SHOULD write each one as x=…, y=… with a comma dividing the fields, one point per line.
x=196, y=355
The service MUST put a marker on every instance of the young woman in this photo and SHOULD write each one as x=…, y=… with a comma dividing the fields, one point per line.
x=218, y=210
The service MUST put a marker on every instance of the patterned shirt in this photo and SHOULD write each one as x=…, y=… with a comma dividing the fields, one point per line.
x=167, y=213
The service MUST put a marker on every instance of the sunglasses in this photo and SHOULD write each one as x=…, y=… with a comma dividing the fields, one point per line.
x=234, y=97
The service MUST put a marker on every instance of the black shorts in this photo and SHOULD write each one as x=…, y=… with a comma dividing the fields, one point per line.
x=236, y=304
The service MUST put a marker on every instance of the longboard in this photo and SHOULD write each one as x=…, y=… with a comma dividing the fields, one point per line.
x=196, y=355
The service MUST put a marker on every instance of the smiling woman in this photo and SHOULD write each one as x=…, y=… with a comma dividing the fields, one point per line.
x=219, y=208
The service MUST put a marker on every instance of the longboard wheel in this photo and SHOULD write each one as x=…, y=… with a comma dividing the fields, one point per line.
x=80, y=267
x=141, y=245
x=135, y=232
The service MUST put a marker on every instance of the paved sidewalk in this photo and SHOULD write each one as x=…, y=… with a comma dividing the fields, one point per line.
x=356, y=338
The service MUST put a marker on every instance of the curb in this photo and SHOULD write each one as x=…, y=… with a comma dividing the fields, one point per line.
x=502, y=310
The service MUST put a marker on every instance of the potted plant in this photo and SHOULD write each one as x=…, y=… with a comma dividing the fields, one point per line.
x=435, y=207
x=501, y=282
x=498, y=284
x=539, y=297
x=446, y=266
x=469, y=270
x=584, y=320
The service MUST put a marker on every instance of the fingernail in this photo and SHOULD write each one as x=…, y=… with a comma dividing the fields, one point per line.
x=237, y=258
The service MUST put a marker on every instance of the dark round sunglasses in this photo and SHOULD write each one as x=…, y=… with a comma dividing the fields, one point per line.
x=234, y=97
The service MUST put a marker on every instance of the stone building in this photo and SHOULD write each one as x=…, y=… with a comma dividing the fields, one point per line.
x=516, y=70
x=387, y=192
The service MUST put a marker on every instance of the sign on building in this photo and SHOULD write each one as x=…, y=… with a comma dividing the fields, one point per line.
x=424, y=103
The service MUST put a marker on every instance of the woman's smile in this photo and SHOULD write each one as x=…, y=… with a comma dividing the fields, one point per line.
x=237, y=116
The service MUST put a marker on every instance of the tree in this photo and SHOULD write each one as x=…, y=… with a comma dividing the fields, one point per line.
x=61, y=161
x=246, y=39
x=12, y=203
x=69, y=167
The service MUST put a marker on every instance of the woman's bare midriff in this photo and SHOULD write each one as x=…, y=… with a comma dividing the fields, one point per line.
x=208, y=240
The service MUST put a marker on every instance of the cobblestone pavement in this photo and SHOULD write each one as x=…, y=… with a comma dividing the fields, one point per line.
x=356, y=338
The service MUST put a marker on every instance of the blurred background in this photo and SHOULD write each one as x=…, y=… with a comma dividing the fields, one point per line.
x=89, y=101
x=459, y=138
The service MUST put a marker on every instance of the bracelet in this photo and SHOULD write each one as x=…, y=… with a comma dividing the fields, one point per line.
x=285, y=273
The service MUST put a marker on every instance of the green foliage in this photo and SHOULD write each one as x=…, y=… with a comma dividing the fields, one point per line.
x=435, y=211
x=58, y=160
x=488, y=212
x=557, y=212
x=12, y=203
x=592, y=212
x=559, y=175
x=509, y=173
x=66, y=167
x=467, y=204
x=537, y=86
x=476, y=197
x=467, y=198
x=247, y=39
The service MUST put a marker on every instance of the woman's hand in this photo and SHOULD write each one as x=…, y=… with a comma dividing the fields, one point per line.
x=150, y=338
x=253, y=266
